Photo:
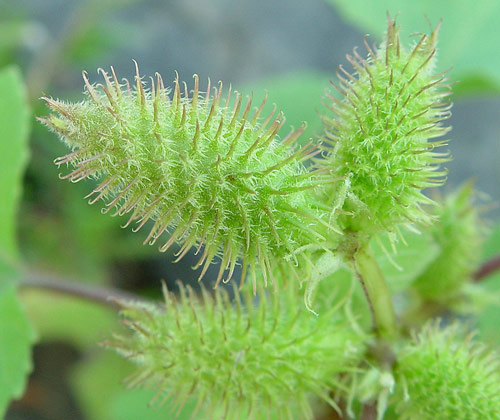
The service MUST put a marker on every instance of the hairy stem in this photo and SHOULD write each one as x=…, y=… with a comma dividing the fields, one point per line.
x=108, y=297
x=376, y=292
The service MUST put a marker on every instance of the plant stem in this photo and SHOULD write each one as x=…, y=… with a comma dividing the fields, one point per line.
x=369, y=411
x=376, y=292
x=489, y=267
x=108, y=297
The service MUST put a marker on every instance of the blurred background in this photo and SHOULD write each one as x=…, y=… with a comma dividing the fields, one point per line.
x=289, y=48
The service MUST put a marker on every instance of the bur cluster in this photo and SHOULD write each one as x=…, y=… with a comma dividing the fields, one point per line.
x=203, y=168
x=459, y=232
x=205, y=171
x=381, y=134
x=443, y=376
x=247, y=359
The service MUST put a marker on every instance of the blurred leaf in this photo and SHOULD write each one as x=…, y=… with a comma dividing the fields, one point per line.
x=11, y=33
x=96, y=376
x=103, y=375
x=402, y=265
x=16, y=335
x=134, y=404
x=93, y=44
x=489, y=318
x=476, y=84
x=95, y=32
x=16, y=338
x=14, y=130
x=492, y=244
x=298, y=95
x=468, y=38
x=64, y=318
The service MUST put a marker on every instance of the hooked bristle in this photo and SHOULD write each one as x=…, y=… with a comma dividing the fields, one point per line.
x=205, y=175
x=381, y=135
x=442, y=376
x=238, y=358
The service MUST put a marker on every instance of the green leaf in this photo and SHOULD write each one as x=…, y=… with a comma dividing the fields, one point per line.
x=476, y=84
x=14, y=130
x=16, y=338
x=406, y=261
x=103, y=375
x=489, y=318
x=66, y=318
x=132, y=405
x=298, y=95
x=468, y=37
x=16, y=335
x=11, y=34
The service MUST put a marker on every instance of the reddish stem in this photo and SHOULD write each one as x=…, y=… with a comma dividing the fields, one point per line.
x=108, y=297
x=488, y=268
x=369, y=411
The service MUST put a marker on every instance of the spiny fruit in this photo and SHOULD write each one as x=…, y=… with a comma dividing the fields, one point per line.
x=250, y=359
x=378, y=139
x=459, y=232
x=206, y=173
x=440, y=376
